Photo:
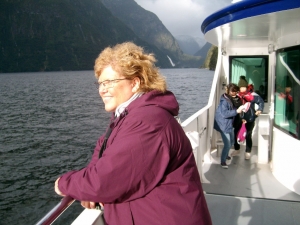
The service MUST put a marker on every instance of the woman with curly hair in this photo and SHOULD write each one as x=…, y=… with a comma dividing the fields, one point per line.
x=143, y=170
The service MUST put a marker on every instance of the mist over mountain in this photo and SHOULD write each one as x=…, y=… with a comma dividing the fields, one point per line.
x=188, y=44
x=57, y=35
x=201, y=41
x=203, y=51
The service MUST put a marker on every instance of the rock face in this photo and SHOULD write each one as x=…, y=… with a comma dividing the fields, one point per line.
x=147, y=26
x=211, y=59
x=55, y=35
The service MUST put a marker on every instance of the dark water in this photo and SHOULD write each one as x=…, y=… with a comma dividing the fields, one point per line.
x=49, y=124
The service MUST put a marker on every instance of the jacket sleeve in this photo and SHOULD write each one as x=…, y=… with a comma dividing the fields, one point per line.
x=226, y=110
x=132, y=165
x=259, y=101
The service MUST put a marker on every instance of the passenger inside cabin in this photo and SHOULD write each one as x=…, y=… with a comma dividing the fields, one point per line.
x=286, y=99
x=261, y=92
x=143, y=169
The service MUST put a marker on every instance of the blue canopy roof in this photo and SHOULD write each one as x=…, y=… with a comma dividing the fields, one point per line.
x=244, y=9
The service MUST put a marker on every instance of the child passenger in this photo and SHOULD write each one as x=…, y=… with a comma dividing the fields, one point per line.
x=247, y=94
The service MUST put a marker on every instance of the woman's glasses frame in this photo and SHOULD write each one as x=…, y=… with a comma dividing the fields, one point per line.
x=108, y=83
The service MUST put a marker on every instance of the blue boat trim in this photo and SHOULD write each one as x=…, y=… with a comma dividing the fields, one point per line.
x=244, y=9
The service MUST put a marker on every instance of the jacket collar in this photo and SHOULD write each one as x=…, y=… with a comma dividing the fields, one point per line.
x=123, y=106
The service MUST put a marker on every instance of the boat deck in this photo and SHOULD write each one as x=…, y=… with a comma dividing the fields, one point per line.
x=247, y=193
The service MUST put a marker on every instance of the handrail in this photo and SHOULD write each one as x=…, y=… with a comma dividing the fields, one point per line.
x=51, y=216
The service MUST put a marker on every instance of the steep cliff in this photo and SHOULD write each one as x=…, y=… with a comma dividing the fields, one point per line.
x=52, y=35
x=147, y=26
x=211, y=59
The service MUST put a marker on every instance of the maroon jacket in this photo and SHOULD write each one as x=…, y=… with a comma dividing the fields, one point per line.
x=147, y=174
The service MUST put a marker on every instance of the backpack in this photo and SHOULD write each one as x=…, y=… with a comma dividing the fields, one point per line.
x=241, y=135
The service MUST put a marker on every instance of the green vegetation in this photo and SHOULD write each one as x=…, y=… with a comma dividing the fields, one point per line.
x=211, y=59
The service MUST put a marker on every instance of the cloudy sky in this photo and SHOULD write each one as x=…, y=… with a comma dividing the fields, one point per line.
x=183, y=16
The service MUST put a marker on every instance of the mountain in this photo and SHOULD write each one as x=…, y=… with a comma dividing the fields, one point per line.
x=200, y=41
x=54, y=35
x=203, y=52
x=58, y=35
x=147, y=26
x=188, y=44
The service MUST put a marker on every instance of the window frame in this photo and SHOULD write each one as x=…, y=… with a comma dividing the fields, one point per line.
x=291, y=128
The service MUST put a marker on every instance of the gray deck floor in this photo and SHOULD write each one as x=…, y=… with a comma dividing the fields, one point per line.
x=247, y=193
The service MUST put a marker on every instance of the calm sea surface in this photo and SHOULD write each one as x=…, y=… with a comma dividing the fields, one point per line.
x=49, y=124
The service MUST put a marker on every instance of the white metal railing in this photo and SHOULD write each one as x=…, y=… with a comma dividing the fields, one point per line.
x=200, y=124
x=87, y=216
x=54, y=213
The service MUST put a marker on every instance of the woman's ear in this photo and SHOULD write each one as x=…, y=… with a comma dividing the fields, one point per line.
x=136, y=84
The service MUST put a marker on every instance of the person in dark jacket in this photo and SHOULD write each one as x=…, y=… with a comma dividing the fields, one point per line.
x=143, y=170
x=224, y=118
x=247, y=94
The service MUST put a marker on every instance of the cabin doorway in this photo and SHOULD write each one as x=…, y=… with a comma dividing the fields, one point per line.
x=254, y=68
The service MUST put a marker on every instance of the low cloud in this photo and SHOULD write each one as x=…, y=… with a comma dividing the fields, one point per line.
x=183, y=17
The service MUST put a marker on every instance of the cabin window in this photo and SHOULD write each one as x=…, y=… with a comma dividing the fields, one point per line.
x=254, y=68
x=287, y=90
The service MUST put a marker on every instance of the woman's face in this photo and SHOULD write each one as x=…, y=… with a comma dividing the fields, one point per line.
x=232, y=93
x=114, y=93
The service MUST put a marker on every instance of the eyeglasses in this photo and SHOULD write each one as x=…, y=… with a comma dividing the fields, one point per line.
x=108, y=83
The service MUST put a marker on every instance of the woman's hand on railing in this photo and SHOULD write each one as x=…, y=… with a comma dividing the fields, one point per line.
x=88, y=205
x=258, y=112
x=92, y=205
